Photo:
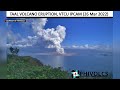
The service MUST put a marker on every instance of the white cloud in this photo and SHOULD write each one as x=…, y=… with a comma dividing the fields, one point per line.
x=24, y=42
x=87, y=46
x=75, y=46
x=81, y=47
x=16, y=40
x=12, y=37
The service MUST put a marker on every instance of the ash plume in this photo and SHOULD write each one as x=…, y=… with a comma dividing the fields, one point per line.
x=53, y=37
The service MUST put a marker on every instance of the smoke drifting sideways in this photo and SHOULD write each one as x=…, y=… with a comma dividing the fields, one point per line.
x=51, y=37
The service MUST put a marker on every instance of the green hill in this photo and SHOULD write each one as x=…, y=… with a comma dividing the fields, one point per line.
x=26, y=67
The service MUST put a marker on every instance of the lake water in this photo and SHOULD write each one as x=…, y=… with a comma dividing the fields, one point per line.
x=85, y=60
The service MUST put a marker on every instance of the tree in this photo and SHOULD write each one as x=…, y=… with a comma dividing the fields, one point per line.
x=14, y=50
x=11, y=49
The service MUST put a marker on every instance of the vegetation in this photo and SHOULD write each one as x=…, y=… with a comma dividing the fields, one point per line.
x=25, y=67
